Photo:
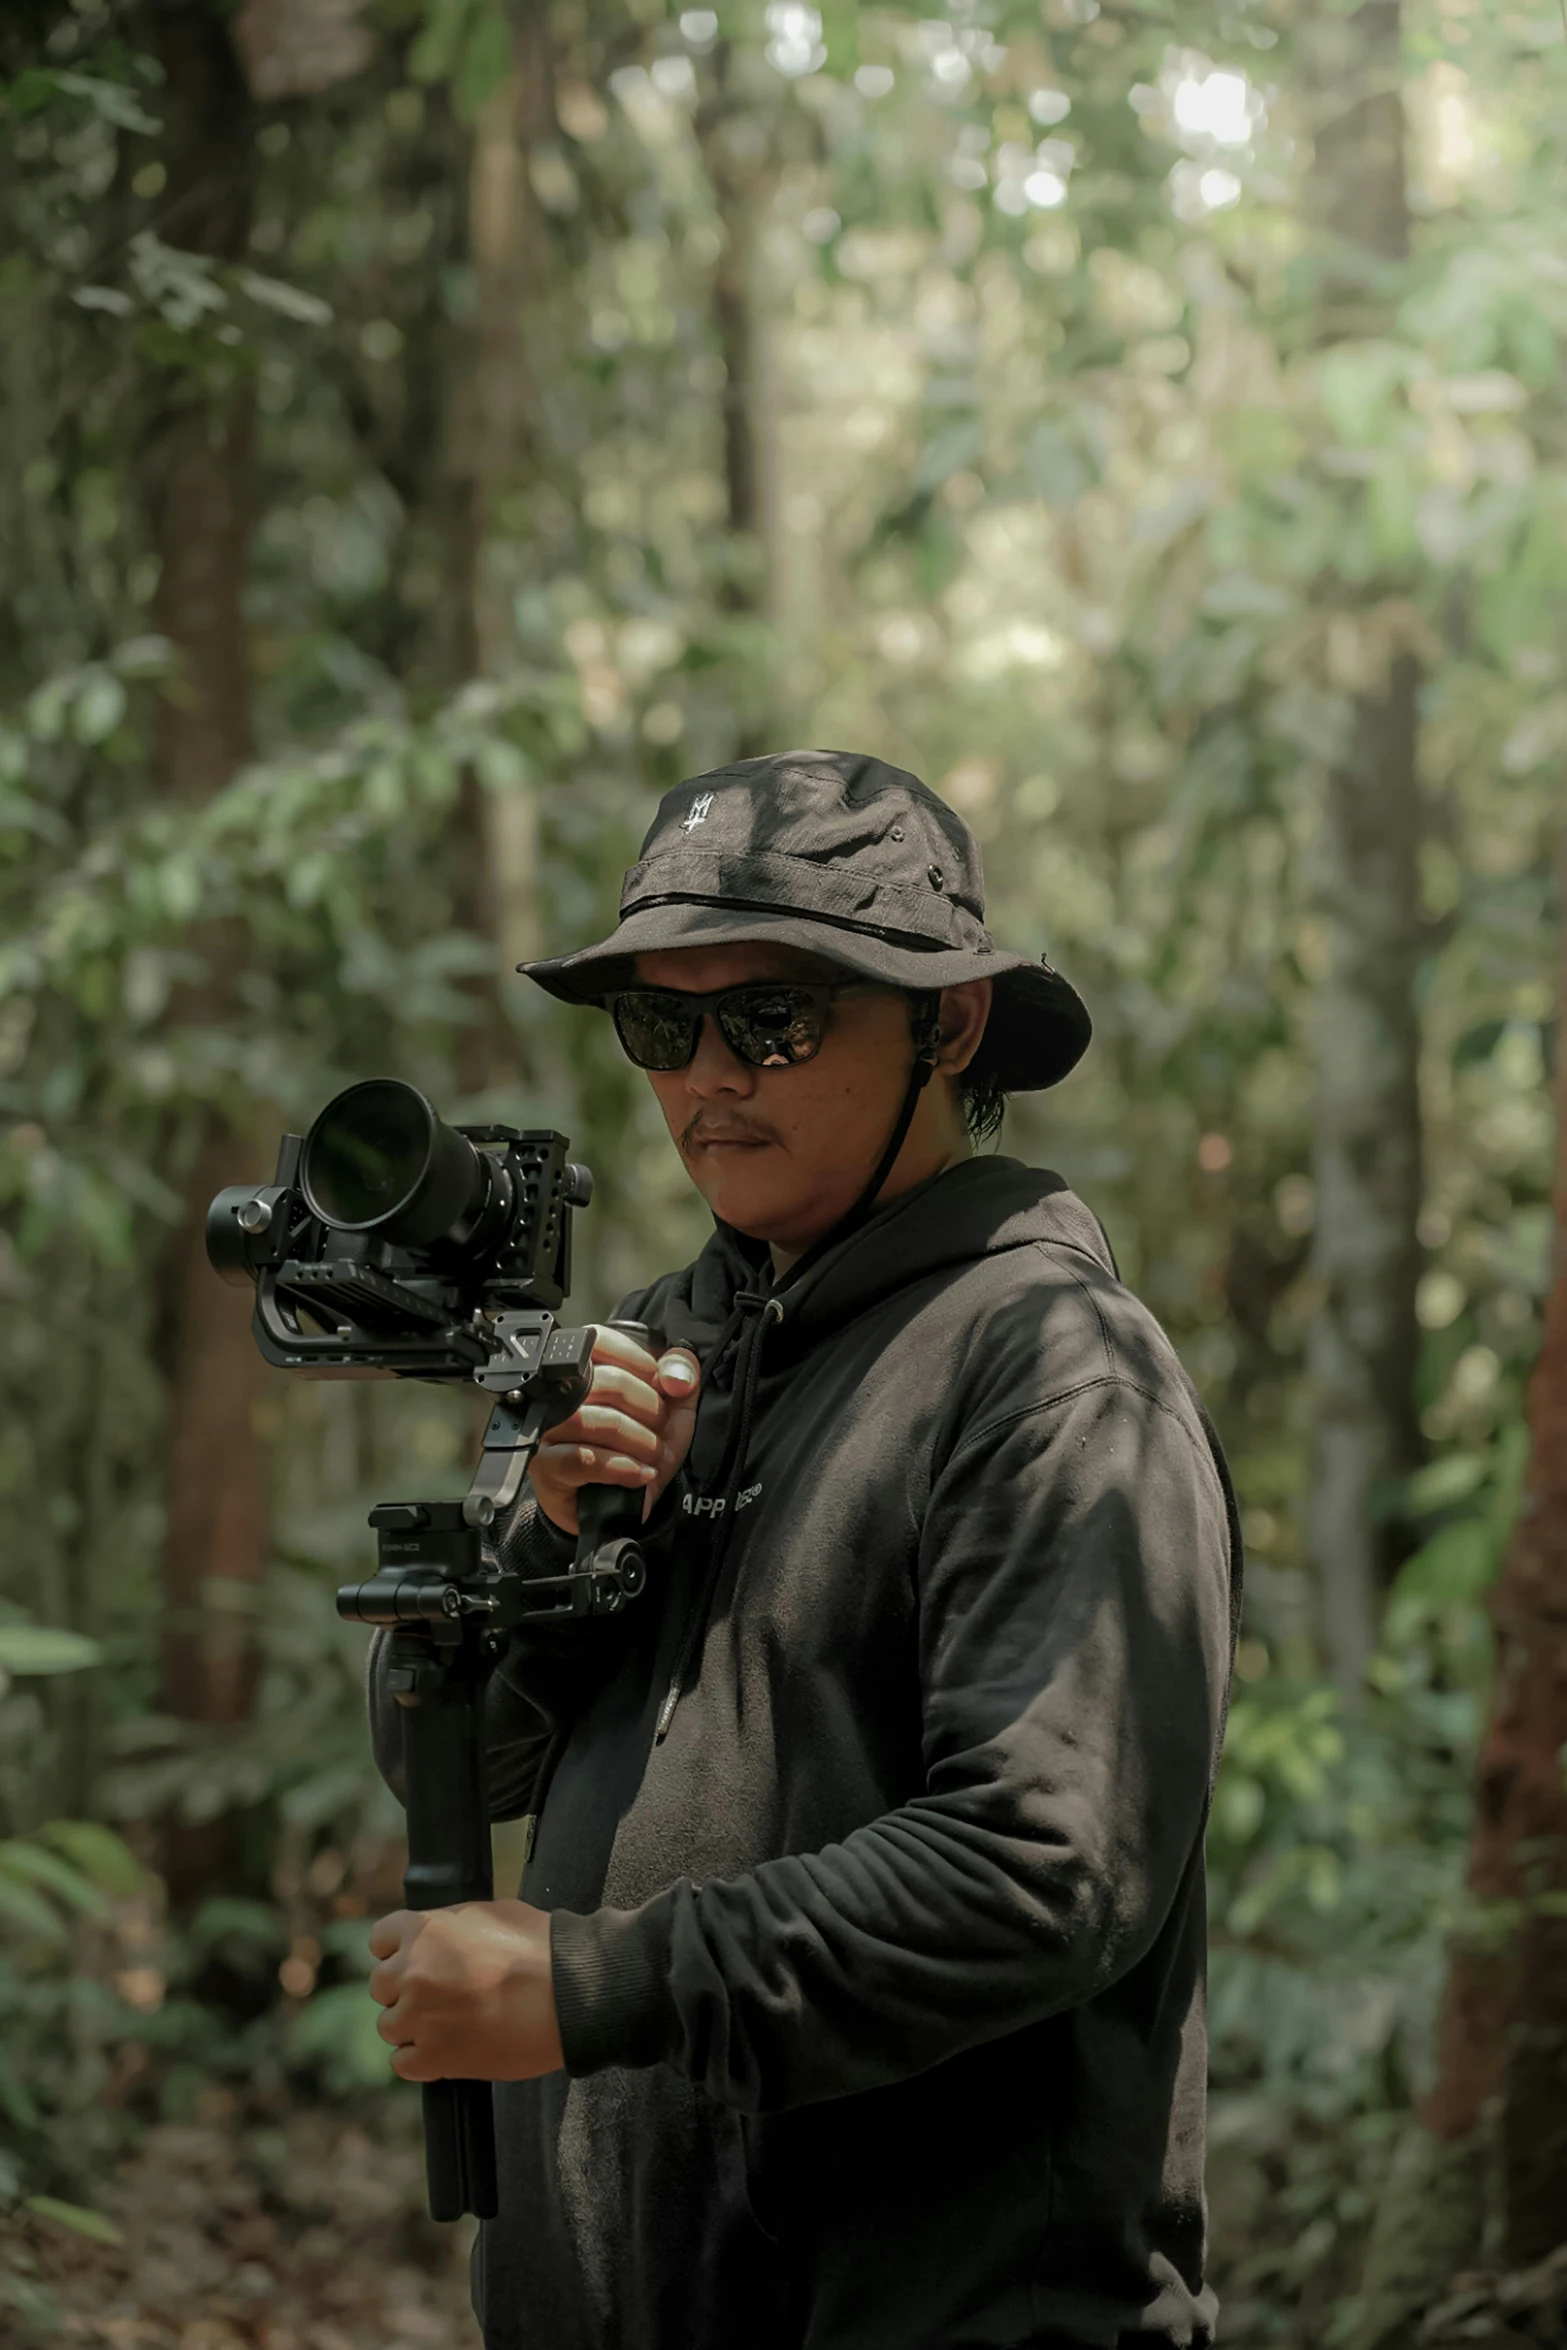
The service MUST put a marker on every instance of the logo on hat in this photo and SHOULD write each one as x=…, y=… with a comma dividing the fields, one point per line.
x=699, y=811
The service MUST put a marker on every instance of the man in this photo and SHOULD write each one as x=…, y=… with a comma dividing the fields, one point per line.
x=854, y=2001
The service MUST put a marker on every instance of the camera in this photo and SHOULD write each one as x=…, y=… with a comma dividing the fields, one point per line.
x=390, y=1241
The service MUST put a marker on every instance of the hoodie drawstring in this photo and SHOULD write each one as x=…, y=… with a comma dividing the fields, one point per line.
x=748, y=1364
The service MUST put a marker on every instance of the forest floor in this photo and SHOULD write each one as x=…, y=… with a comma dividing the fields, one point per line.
x=305, y=2237
x=312, y=2235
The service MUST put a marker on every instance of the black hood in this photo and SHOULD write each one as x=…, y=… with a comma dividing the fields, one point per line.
x=977, y=1209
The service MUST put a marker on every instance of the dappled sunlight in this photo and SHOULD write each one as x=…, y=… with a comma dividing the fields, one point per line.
x=434, y=433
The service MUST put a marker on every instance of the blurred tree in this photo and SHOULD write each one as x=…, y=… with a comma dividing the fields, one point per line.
x=1504, y=2026
x=733, y=138
x=1483, y=2171
x=198, y=469
x=502, y=425
x=1367, y=1158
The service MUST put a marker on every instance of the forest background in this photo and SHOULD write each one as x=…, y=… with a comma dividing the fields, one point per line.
x=431, y=429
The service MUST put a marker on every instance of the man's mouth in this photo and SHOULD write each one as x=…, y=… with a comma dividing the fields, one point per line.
x=723, y=1138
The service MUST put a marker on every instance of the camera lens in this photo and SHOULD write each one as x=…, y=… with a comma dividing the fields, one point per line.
x=365, y=1154
x=378, y=1159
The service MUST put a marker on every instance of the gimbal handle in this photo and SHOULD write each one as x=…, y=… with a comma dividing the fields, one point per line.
x=451, y=1609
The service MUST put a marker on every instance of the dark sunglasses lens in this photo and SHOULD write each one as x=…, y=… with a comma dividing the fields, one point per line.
x=657, y=1031
x=771, y=1027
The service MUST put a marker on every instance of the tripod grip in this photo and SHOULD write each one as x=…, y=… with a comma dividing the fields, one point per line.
x=459, y=2149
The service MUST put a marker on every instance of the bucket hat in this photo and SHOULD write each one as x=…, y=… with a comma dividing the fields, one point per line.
x=848, y=858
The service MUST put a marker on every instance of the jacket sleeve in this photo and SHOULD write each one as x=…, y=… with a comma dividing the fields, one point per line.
x=1076, y=1634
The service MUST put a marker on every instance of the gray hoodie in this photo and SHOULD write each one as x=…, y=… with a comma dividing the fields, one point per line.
x=880, y=1971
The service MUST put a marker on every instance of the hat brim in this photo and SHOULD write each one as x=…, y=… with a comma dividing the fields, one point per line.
x=1038, y=1029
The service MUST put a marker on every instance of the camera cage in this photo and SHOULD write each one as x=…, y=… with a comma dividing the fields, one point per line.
x=369, y=1302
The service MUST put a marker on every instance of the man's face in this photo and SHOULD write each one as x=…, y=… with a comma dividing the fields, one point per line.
x=781, y=1154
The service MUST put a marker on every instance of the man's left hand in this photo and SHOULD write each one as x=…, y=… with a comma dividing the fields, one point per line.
x=467, y=1992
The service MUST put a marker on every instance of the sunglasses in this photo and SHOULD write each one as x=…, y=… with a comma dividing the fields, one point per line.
x=769, y=1023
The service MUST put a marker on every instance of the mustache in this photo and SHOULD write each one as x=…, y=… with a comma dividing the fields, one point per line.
x=707, y=1127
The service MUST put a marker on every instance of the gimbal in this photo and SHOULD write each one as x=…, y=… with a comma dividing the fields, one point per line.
x=448, y=1610
x=388, y=1241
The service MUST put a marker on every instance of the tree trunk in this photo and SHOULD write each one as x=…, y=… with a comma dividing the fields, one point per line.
x=1484, y=2168
x=1367, y=1153
x=497, y=420
x=198, y=470
x=734, y=144
x=1504, y=2026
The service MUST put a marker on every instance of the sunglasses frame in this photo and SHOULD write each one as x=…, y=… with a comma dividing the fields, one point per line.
x=820, y=995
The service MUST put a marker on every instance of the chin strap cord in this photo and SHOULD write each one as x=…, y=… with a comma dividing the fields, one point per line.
x=927, y=1046
x=748, y=1365
x=768, y=1307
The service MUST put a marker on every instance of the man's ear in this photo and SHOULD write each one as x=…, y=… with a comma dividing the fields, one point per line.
x=964, y=1012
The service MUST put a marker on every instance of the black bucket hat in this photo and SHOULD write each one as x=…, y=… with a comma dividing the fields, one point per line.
x=848, y=858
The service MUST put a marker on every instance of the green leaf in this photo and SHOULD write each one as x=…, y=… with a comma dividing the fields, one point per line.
x=486, y=59
x=1458, y=1563
x=841, y=33
x=434, y=54
x=16, y=2099
x=143, y=656
x=248, y=1923
x=47, y=706
x=98, y=708
x=1238, y=1806
x=337, y=2030
x=1358, y=384
x=108, y=298
x=39, y=2308
x=947, y=453
x=1056, y=467
x=111, y=101
x=29, y=1649
x=499, y=764
x=23, y=1860
x=76, y=2217
x=30, y=1911
x=180, y=887
x=273, y=293
x=100, y=1855
x=1443, y=1482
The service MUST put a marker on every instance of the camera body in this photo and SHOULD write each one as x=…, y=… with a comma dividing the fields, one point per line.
x=388, y=1241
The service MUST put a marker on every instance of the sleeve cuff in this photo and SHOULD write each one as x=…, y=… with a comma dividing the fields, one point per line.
x=532, y=1544
x=611, y=1979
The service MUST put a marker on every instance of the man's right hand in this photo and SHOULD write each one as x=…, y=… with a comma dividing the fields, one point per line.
x=633, y=1429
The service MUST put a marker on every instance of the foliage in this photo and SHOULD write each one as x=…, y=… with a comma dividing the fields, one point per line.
x=1056, y=467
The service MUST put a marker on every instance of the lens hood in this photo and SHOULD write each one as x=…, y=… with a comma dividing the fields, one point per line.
x=379, y=1160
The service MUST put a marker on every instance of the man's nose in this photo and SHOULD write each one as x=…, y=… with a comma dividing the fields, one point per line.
x=714, y=1068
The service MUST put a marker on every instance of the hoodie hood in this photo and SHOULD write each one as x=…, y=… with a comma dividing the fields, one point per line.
x=980, y=1208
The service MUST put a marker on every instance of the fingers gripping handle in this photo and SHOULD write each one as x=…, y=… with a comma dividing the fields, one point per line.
x=609, y=1517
